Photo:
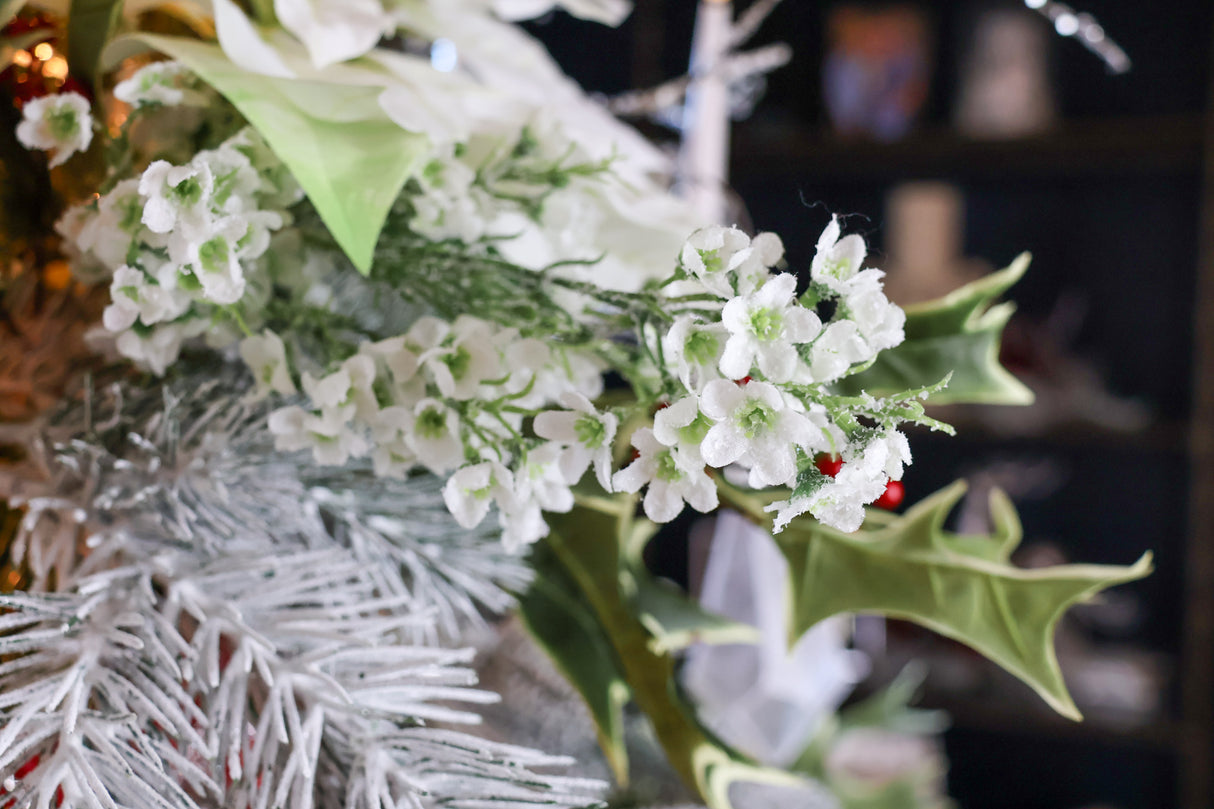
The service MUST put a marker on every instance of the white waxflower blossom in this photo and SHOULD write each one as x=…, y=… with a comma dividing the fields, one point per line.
x=166, y=83
x=695, y=348
x=673, y=478
x=266, y=357
x=61, y=123
x=764, y=329
x=757, y=428
x=683, y=426
x=178, y=198
x=393, y=455
x=108, y=233
x=401, y=384
x=330, y=392
x=586, y=435
x=434, y=436
x=539, y=486
x=466, y=360
x=837, y=260
x=216, y=264
x=327, y=433
x=712, y=253
x=839, y=347
x=158, y=348
x=136, y=298
x=472, y=491
x=879, y=320
x=362, y=373
x=755, y=264
x=546, y=372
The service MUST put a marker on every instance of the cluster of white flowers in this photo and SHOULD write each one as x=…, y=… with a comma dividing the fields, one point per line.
x=746, y=369
x=754, y=372
x=178, y=243
x=443, y=397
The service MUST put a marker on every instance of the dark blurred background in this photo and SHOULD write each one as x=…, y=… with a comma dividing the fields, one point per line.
x=954, y=135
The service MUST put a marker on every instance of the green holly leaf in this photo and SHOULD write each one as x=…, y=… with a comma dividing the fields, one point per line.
x=676, y=622
x=567, y=630
x=958, y=334
x=350, y=158
x=595, y=550
x=90, y=25
x=963, y=587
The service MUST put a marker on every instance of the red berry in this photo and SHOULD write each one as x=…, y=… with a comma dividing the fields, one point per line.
x=28, y=767
x=746, y=380
x=894, y=494
x=828, y=464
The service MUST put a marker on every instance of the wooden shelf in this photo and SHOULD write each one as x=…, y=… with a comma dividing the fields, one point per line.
x=1104, y=147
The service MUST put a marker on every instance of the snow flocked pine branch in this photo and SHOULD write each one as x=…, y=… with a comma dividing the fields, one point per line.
x=237, y=634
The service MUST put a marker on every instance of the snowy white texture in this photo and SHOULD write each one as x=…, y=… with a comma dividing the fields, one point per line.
x=673, y=477
x=60, y=123
x=765, y=327
x=237, y=612
x=863, y=477
x=756, y=427
x=585, y=434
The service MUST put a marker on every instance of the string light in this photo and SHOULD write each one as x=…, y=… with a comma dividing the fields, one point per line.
x=43, y=51
x=1070, y=23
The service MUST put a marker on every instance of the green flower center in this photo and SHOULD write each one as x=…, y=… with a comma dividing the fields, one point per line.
x=766, y=324
x=130, y=214
x=459, y=361
x=702, y=347
x=668, y=470
x=188, y=191
x=213, y=255
x=694, y=433
x=63, y=123
x=837, y=268
x=431, y=423
x=590, y=431
x=754, y=418
x=712, y=260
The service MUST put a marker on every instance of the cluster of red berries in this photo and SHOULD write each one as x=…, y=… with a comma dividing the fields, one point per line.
x=895, y=492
